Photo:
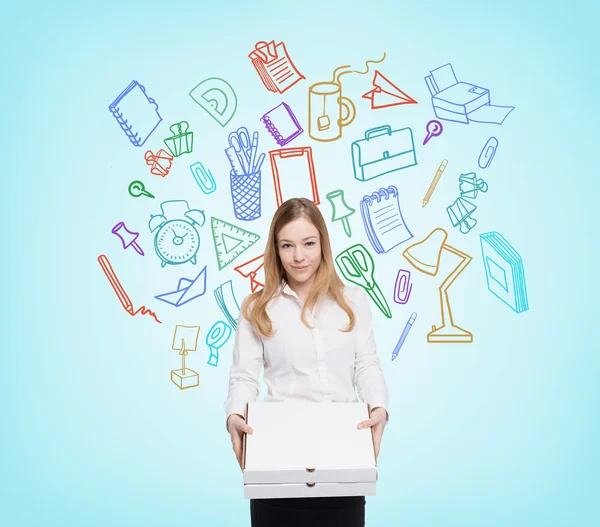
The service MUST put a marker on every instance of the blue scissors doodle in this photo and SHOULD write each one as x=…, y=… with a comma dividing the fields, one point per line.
x=240, y=142
x=356, y=264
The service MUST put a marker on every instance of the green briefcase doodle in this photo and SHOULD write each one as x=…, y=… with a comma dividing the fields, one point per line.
x=382, y=151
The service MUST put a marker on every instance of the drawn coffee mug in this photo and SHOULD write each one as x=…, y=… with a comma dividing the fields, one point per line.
x=325, y=103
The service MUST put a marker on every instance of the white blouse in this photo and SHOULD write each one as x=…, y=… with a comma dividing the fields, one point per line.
x=302, y=364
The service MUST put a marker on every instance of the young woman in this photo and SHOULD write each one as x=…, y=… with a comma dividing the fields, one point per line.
x=315, y=339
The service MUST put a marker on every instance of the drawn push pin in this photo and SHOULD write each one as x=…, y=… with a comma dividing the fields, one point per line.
x=128, y=238
x=460, y=214
x=469, y=185
x=341, y=211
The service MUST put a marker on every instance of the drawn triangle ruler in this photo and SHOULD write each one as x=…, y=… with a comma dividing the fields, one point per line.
x=230, y=241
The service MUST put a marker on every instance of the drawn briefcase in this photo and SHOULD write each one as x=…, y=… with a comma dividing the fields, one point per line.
x=382, y=151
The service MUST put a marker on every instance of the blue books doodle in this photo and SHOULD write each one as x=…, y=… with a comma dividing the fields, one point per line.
x=136, y=113
x=383, y=219
x=504, y=271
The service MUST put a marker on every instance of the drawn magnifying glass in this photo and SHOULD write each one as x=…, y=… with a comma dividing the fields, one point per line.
x=434, y=128
x=217, y=336
x=137, y=189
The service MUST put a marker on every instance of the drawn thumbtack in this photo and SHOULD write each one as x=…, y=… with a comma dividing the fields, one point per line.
x=128, y=238
x=341, y=210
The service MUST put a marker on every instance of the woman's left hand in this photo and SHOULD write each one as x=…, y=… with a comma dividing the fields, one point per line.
x=377, y=420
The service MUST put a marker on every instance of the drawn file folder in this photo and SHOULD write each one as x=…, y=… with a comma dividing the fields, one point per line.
x=383, y=219
x=136, y=113
x=504, y=271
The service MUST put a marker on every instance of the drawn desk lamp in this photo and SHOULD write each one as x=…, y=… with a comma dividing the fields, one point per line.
x=425, y=257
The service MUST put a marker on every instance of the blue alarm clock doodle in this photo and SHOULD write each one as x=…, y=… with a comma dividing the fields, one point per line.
x=176, y=238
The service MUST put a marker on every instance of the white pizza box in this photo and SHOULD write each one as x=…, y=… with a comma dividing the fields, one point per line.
x=301, y=449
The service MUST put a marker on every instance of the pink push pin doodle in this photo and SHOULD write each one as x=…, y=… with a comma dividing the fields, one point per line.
x=434, y=128
x=130, y=235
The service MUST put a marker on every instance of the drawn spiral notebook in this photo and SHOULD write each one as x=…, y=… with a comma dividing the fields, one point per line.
x=136, y=113
x=504, y=271
x=383, y=219
x=282, y=124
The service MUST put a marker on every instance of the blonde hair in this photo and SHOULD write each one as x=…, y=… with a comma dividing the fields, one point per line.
x=326, y=280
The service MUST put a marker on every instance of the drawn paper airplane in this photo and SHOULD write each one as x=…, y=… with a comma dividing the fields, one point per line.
x=217, y=97
x=253, y=269
x=386, y=94
x=186, y=290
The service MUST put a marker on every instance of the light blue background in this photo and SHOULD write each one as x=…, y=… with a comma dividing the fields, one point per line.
x=500, y=432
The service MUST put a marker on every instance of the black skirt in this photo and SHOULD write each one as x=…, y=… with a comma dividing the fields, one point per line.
x=344, y=511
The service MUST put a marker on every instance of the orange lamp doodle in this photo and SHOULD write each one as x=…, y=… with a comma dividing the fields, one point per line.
x=120, y=292
x=294, y=174
x=274, y=66
x=253, y=269
x=385, y=93
x=185, y=339
x=160, y=163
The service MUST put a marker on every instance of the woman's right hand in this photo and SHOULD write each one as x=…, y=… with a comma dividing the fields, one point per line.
x=236, y=426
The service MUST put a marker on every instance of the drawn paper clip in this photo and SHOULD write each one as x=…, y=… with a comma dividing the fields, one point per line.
x=488, y=152
x=403, y=287
x=203, y=178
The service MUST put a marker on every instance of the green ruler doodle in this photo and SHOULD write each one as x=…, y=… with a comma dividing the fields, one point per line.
x=230, y=241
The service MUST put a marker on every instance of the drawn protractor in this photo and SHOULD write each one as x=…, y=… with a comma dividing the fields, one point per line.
x=217, y=97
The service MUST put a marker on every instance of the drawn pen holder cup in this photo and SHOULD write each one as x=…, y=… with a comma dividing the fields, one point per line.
x=245, y=194
x=325, y=108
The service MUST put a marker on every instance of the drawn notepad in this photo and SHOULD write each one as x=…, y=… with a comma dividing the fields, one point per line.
x=282, y=124
x=383, y=219
x=504, y=271
x=136, y=113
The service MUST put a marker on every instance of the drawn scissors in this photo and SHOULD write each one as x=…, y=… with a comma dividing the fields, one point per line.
x=240, y=142
x=357, y=266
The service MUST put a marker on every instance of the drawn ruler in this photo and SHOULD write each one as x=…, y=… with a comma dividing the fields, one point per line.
x=238, y=169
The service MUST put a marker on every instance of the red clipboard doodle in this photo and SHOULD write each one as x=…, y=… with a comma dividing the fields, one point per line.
x=294, y=174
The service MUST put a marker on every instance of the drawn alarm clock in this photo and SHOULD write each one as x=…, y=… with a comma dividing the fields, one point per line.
x=176, y=239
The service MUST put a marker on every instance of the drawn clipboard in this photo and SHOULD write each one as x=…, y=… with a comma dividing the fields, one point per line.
x=294, y=174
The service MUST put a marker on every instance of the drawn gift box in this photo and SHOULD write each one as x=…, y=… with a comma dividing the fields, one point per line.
x=182, y=141
x=326, y=455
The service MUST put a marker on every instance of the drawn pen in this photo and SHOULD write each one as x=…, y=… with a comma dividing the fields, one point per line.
x=253, y=150
x=434, y=182
x=405, y=331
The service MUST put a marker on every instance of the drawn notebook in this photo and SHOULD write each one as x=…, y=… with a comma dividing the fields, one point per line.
x=274, y=66
x=282, y=124
x=136, y=113
x=383, y=219
x=504, y=271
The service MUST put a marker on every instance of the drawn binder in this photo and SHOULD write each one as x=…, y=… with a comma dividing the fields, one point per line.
x=383, y=219
x=136, y=113
x=504, y=271
x=282, y=124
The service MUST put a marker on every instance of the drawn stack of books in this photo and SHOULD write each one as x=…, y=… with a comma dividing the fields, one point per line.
x=504, y=271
